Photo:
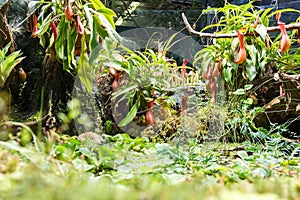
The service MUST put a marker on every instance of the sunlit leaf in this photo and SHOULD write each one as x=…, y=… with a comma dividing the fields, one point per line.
x=239, y=91
x=248, y=87
x=131, y=114
x=8, y=62
x=97, y=4
x=84, y=71
x=93, y=40
x=262, y=31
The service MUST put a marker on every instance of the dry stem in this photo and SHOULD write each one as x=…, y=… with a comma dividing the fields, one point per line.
x=231, y=35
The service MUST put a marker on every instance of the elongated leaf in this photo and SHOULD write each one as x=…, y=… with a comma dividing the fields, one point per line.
x=131, y=114
x=250, y=70
x=93, y=41
x=84, y=67
x=9, y=63
x=239, y=91
x=106, y=11
x=227, y=72
x=60, y=43
x=44, y=11
x=282, y=11
x=110, y=19
x=94, y=55
x=142, y=57
x=265, y=13
x=153, y=56
x=168, y=44
x=10, y=67
x=15, y=147
x=124, y=91
x=99, y=28
x=115, y=64
x=97, y=4
x=45, y=25
x=251, y=49
x=84, y=74
x=248, y=87
x=33, y=4
x=6, y=48
x=108, y=26
x=72, y=37
x=212, y=26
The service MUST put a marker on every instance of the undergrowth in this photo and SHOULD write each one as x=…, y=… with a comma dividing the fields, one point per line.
x=127, y=168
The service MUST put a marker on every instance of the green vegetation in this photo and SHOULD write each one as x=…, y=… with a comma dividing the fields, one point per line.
x=216, y=150
x=125, y=168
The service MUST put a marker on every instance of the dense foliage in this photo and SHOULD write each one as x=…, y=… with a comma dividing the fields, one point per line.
x=244, y=161
x=125, y=168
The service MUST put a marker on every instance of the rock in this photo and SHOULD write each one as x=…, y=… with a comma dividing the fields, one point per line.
x=92, y=137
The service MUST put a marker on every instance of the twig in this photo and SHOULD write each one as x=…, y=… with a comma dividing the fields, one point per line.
x=28, y=16
x=129, y=14
x=231, y=35
x=290, y=77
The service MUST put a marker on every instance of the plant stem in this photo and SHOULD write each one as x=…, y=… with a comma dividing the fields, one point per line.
x=232, y=35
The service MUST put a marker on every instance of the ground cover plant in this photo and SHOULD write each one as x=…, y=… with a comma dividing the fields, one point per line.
x=208, y=144
x=126, y=168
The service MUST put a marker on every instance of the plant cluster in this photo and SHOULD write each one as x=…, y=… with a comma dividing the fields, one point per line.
x=8, y=63
x=136, y=168
x=73, y=32
x=248, y=61
x=150, y=77
x=58, y=166
x=255, y=51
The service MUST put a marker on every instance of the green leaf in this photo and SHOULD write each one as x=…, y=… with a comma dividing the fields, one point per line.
x=282, y=11
x=82, y=165
x=44, y=11
x=262, y=31
x=60, y=42
x=8, y=63
x=227, y=72
x=33, y=4
x=242, y=154
x=109, y=26
x=104, y=151
x=72, y=37
x=106, y=11
x=97, y=4
x=6, y=48
x=265, y=13
x=239, y=91
x=248, y=87
x=43, y=41
x=262, y=65
x=84, y=67
x=45, y=25
x=99, y=28
x=168, y=44
x=124, y=90
x=93, y=41
x=94, y=55
x=116, y=64
x=250, y=70
x=131, y=114
x=31, y=155
x=248, y=101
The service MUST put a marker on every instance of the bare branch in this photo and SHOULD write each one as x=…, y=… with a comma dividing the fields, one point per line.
x=231, y=35
x=290, y=77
